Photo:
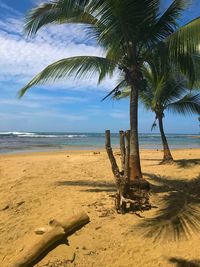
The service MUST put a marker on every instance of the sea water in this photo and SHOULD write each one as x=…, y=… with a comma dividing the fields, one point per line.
x=15, y=142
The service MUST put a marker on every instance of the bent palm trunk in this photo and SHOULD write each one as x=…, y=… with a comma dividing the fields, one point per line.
x=167, y=157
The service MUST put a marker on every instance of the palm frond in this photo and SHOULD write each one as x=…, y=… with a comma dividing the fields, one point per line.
x=188, y=104
x=183, y=44
x=123, y=94
x=179, y=216
x=116, y=91
x=174, y=89
x=123, y=23
x=79, y=67
x=186, y=39
x=166, y=23
x=57, y=11
x=154, y=124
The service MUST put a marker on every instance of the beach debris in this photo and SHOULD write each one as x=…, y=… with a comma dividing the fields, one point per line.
x=90, y=253
x=59, y=262
x=11, y=205
x=40, y=231
x=59, y=230
x=4, y=207
x=96, y=153
x=20, y=203
x=107, y=213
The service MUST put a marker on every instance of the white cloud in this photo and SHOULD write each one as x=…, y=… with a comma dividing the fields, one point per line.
x=66, y=116
x=22, y=59
x=118, y=115
x=54, y=99
x=9, y=9
x=19, y=57
x=13, y=102
x=35, y=101
x=42, y=115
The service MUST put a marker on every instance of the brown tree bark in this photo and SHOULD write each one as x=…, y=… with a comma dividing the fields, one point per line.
x=134, y=79
x=134, y=162
x=122, y=149
x=119, y=176
x=57, y=231
x=114, y=166
x=167, y=157
x=133, y=192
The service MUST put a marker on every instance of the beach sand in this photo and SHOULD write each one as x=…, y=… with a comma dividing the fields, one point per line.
x=36, y=187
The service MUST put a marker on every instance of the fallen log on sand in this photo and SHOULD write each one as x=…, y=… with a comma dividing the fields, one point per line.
x=55, y=232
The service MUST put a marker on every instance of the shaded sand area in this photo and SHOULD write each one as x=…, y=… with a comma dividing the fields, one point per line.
x=36, y=187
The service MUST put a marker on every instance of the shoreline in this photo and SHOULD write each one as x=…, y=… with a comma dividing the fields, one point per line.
x=85, y=151
x=69, y=149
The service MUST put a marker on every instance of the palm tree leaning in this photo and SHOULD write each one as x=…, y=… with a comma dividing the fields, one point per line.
x=175, y=99
x=166, y=90
x=128, y=31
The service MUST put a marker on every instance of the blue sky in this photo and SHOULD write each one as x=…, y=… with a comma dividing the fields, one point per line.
x=70, y=105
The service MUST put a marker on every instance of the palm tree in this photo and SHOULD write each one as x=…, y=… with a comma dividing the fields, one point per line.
x=166, y=90
x=128, y=31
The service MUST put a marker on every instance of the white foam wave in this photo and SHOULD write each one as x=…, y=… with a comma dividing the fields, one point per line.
x=42, y=135
x=75, y=135
x=16, y=133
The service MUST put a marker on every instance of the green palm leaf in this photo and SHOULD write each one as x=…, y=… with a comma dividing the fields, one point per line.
x=183, y=44
x=189, y=104
x=79, y=67
x=124, y=94
x=58, y=11
x=186, y=39
x=166, y=23
x=116, y=91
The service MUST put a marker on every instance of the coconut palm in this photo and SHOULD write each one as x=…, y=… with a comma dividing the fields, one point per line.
x=128, y=31
x=178, y=100
x=166, y=90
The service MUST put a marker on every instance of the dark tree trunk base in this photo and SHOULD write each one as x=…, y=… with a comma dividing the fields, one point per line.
x=167, y=157
x=140, y=184
x=136, y=200
x=132, y=195
x=167, y=161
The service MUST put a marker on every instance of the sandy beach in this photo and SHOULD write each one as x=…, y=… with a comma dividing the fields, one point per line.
x=36, y=187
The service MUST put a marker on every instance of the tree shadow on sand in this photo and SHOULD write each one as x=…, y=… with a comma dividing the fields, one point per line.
x=179, y=262
x=94, y=186
x=187, y=163
x=179, y=215
x=181, y=163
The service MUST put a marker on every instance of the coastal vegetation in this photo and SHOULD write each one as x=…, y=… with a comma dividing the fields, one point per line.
x=166, y=90
x=128, y=32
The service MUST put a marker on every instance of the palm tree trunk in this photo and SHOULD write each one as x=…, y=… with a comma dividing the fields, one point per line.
x=135, y=167
x=167, y=154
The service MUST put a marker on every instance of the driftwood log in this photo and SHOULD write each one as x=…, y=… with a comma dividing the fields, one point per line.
x=135, y=194
x=55, y=232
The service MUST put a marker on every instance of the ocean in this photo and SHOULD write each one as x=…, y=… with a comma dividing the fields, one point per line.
x=16, y=142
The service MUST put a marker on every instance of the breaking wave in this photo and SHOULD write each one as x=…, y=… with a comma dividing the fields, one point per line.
x=41, y=135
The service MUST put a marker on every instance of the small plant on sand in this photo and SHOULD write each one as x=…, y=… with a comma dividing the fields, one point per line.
x=128, y=31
